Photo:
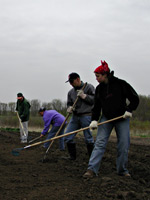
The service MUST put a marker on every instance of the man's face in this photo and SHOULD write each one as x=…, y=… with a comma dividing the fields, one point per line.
x=20, y=98
x=76, y=82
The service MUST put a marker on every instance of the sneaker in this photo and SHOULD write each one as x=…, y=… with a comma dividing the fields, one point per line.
x=88, y=174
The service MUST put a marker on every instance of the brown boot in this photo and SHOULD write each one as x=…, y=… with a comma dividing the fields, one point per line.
x=88, y=174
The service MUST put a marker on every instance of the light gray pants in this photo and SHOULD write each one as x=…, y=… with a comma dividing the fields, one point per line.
x=24, y=131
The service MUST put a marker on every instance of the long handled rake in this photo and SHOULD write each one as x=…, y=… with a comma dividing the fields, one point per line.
x=21, y=124
x=35, y=139
x=16, y=151
x=62, y=125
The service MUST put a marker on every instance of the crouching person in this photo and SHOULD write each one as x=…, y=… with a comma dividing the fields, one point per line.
x=52, y=117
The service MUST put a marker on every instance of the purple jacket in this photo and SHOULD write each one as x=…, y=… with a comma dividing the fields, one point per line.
x=51, y=117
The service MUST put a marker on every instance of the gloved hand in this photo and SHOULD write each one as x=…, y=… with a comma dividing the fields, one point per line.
x=93, y=124
x=127, y=115
x=81, y=94
x=70, y=109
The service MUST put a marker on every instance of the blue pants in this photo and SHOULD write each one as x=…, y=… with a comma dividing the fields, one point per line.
x=52, y=133
x=123, y=143
x=76, y=123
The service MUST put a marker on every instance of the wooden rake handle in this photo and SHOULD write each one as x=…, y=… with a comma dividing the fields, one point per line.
x=79, y=130
x=21, y=124
x=62, y=125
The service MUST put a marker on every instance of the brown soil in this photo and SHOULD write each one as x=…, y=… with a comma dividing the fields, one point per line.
x=24, y=177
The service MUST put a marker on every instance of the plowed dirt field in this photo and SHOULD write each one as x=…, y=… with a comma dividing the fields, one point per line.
x=25, y=177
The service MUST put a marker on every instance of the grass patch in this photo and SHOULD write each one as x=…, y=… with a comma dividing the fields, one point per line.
x=9, y=129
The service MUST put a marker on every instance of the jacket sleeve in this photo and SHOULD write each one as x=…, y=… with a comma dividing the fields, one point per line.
x=46, y=127
x=47, y=121
x=90, y=92
x=25, y=110
x=69, y=99
x=132, y=96
x=96, y=111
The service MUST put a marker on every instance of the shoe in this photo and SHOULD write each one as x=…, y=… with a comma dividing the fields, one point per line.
x=88, y=174
x=23, y=141
x=127, y=175
x=68, y=158
x=42, y=148
x=62, y=149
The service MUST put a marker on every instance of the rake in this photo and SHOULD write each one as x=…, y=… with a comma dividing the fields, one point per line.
x=21, y=124
x=35, y=139
x=16, y=152
x=62, y=125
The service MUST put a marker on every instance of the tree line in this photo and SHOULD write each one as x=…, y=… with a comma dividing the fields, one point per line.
x=55, y=104
x=142, y=113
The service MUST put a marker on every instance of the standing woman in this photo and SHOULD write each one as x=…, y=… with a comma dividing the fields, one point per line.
x=110, y=102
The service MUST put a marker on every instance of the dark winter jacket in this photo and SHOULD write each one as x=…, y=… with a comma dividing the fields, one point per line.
x=83, y=106
x=111, y=99
x=23, y=109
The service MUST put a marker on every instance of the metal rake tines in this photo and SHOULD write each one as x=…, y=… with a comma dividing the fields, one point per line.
x=16, y=152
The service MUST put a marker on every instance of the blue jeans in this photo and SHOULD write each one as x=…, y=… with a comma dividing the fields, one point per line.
x=77, y=122
x=123, y=143
x=52, y=133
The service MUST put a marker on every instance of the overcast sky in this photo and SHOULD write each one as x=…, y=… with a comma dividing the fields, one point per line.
x=42, y=41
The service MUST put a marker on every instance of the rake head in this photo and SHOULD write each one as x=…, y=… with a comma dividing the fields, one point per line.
x=16, y=152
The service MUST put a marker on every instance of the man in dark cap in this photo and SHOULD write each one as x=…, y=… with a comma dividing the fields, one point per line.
x=81, y=114
x=23, y=109
x=110, y=102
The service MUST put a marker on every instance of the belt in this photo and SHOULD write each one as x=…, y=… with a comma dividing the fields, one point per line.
x=82, y=114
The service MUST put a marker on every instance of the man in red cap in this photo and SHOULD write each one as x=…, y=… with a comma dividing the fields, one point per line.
x=23, y=109
x=110, y=102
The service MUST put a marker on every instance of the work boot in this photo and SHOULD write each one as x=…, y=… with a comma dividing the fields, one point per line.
x=72, y=151
x=90, y=147
x=88, y=174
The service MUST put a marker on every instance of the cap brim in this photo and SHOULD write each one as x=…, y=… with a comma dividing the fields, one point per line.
x=67, y=81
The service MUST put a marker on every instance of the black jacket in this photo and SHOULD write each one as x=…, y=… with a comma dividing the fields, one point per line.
x=111, y=99
x=23, y=108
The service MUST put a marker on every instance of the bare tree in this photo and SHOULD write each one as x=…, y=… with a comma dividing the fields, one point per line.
x=35, y=105
x=11, y=107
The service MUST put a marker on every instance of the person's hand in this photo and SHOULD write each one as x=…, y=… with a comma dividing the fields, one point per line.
x=81, y=94
x=127, y=115
x=93, y=124
x=41, y=135
x=70, y=109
